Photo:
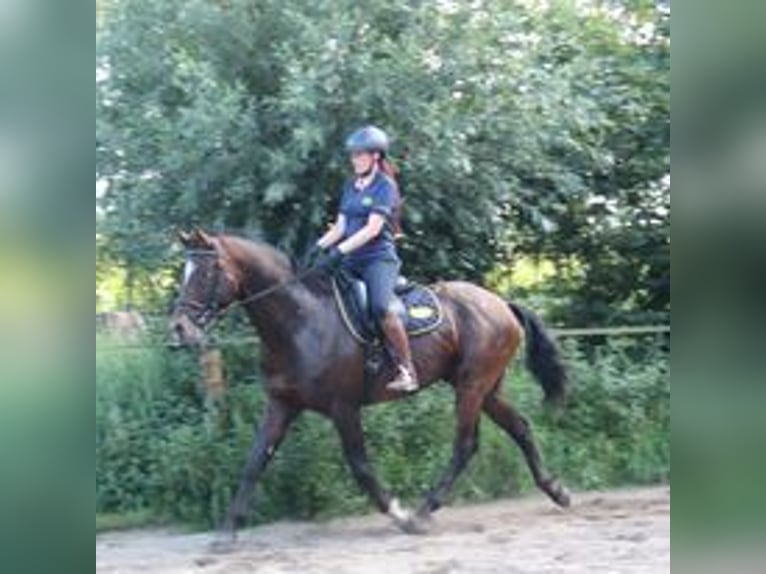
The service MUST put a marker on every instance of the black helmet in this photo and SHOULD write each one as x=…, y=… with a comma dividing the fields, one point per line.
x=369, y=138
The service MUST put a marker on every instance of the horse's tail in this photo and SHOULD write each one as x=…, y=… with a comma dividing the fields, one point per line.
x=544, y=358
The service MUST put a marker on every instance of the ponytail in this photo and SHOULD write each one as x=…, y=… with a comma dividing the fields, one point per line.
x=396, y=214
x=387, y=167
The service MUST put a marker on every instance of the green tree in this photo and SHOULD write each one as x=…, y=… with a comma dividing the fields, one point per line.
x=518, y=130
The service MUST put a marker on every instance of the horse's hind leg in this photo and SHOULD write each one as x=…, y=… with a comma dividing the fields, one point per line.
x=469, y=402
x=518, y=428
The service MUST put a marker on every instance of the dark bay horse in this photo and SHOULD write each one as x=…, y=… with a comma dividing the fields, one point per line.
x=311, y=361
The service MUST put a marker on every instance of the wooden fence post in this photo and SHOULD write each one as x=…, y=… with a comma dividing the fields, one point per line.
x=213, y=379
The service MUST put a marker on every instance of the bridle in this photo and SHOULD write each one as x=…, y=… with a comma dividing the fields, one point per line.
x=203, y=315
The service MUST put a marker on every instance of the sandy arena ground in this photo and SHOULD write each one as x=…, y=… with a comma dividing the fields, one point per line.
x=623, y=531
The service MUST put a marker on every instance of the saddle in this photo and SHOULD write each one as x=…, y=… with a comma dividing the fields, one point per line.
x=417, y=305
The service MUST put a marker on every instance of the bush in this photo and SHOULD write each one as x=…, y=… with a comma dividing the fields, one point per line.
x=161, y=447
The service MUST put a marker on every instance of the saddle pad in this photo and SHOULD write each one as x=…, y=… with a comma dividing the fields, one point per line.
x=423, y=311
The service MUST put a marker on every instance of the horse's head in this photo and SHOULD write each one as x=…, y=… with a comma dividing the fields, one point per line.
x=209, y=287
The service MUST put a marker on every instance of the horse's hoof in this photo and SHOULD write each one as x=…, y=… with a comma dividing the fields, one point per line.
x=417, y=525
x=404, y=519
x=413, y=524
x=223, y=545
x=560, y=494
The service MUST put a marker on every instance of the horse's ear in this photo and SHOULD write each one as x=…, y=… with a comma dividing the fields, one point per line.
x=295, y=264
x=201, y=240
x=205, y=240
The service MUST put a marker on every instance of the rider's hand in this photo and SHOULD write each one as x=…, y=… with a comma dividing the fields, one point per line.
x=330, y=259
x=310, y=255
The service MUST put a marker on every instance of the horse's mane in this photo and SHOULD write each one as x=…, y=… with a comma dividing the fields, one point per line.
x=318, y=283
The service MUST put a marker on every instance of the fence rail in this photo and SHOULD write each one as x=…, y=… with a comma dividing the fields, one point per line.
x=612, y=331
x=627, y=331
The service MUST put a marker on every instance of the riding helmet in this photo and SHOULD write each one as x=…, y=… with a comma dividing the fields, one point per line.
x=368, y=138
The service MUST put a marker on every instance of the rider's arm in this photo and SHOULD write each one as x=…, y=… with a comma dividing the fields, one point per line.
x=380, y=211
x=370, y=231
x=334, y=234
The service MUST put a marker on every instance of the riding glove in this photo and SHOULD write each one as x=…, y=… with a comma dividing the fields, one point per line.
x=330, y=259
x=311, y=254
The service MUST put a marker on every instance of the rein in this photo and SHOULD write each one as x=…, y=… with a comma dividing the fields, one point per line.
x=269, y=290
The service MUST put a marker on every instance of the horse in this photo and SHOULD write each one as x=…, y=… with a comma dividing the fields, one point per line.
x=310, y=361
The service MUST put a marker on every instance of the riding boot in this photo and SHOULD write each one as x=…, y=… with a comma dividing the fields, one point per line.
x=396, y=336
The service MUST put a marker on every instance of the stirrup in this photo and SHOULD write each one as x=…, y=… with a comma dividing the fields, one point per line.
x=404, y=381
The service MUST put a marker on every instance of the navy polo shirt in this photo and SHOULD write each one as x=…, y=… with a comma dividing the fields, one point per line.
x=356, y=205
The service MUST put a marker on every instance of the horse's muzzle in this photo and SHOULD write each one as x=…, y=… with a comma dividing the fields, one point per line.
x=183, y=333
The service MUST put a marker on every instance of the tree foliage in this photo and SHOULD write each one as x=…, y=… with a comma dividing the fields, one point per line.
x=519, y=130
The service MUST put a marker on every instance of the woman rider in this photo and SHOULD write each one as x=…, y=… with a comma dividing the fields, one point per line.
x=362, y=241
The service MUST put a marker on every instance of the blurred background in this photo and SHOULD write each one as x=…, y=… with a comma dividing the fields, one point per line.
x=532, y=143
x=719, y=396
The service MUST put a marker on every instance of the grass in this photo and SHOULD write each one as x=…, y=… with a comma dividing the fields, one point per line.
x=106, y=522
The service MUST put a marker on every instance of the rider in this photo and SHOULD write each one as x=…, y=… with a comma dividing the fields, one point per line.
x=362, y=241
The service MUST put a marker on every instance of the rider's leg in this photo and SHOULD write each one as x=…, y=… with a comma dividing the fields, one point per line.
x=406, y=378
x=380, y=277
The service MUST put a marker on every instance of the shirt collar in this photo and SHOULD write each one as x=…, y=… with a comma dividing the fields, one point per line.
x=364, y=182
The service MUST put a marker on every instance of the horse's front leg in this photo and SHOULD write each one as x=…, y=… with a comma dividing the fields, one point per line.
x=275, y=423
x=348, y=422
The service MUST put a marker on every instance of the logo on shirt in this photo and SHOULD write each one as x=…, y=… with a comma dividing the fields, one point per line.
x=367, y=201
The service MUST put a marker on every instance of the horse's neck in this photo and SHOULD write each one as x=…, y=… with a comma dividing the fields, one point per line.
x=274, y=311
